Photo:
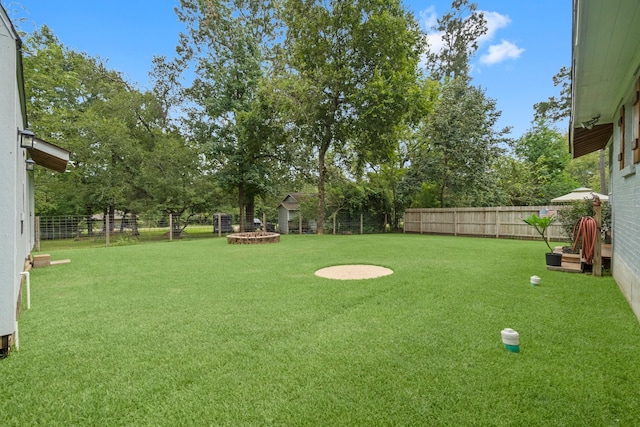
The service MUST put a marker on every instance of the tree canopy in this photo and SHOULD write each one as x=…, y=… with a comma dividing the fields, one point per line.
x=267, y=98
x=120, y=143
x=352, y=67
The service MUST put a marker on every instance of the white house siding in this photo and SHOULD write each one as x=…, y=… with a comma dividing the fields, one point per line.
x=16, y=197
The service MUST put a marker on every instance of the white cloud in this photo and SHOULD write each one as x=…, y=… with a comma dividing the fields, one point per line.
x=435, y=41
x=495, y=22
x=501, y=52
x=428, y=18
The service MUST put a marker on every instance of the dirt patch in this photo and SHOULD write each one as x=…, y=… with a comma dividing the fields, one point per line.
x=353, y=272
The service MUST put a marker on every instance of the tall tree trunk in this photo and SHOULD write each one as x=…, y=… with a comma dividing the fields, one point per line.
x=445, y=181
x=112, y=217
x=322, y=171
x=241, y=206
x=250, y=207
x=322, y=153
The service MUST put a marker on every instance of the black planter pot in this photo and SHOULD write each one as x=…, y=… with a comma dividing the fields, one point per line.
x=554, y=259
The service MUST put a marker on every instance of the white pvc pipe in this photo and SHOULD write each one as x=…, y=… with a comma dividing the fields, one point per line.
x=26, y=274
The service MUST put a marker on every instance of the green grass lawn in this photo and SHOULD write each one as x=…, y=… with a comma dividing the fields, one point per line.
x=203, y=333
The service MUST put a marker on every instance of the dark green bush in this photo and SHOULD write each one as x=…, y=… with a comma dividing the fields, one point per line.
x=569, y=215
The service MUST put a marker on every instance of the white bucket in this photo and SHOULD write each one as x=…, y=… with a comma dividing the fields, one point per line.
x=535, y=280
x=511, y=340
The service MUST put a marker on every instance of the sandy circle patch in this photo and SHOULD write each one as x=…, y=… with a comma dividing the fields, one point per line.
x=353, y=272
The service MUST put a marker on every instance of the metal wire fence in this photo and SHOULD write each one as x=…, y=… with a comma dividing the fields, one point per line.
x=151, y=227
x=81, y=230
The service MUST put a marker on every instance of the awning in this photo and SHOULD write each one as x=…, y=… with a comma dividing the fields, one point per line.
x=585, y=141
x=49, y=156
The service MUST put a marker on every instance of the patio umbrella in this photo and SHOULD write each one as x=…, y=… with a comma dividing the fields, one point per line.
x=579, y=194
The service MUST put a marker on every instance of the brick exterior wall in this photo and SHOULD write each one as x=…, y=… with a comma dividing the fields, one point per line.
x=625, y=203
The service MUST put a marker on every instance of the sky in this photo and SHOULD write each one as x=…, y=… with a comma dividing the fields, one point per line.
x=526, y=44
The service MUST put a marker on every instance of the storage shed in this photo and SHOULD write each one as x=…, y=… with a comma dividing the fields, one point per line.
x=289, y=214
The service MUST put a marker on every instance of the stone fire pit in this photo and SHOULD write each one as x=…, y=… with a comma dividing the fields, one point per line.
x=253, y=238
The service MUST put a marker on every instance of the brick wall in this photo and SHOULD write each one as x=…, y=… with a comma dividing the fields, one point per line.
x=625, y=203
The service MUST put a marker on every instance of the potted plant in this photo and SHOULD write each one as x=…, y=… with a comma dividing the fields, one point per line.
x=541, y=225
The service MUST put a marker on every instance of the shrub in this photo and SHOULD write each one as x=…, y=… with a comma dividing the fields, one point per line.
x=570, y=215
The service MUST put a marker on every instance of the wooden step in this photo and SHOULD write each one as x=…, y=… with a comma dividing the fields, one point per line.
x=42, y=260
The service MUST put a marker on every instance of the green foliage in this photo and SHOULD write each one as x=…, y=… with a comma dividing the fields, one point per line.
x=571, y=214
x=124, y=154
x=585, y=171
x=390, y=177
x=202, y=332
x=515, y=181
x=556, y=108
x=461, y=146
x=541, y=224
x=545, y=152
x=351, y=79
x=428, y=197
x=461, y=28
x=230, y=115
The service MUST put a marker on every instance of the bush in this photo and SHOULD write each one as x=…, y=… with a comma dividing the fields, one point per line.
x=571, y=214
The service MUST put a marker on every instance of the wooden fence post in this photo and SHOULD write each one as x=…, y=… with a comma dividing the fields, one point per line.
x=170, y=226
x=334, y=223
x=300, y=223
x=455, y=222
x=36, y=232
x=597, y=249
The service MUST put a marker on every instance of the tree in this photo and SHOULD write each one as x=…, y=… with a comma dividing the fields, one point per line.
x=516, y=181
x=556, y=108
x=559, y=108
x=454, y=166
x=76, y=102
x=461, y=28
x=584, y=170
x=229, y=42
x=545, y=151
x=350, y=78
x=125, y=154
x=389, y=177
x=461, y=146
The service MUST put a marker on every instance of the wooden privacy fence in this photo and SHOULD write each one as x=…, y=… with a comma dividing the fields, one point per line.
x=499, y=222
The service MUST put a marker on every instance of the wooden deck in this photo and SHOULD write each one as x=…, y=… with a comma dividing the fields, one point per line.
x=574, y=263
